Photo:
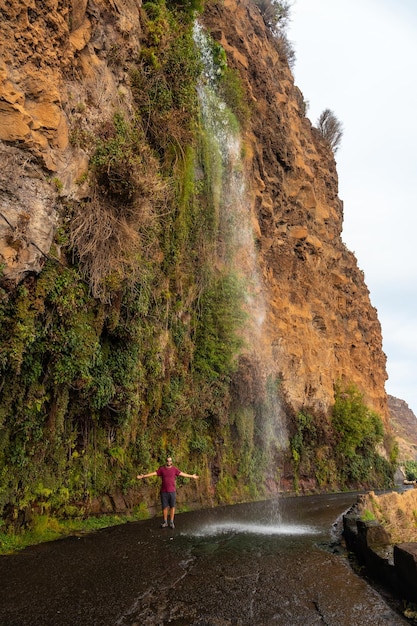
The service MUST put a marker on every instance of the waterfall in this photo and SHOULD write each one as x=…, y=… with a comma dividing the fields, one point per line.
x=228, y=188
x=236, y=242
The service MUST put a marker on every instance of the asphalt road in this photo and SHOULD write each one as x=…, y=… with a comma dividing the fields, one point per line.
x=263, y=564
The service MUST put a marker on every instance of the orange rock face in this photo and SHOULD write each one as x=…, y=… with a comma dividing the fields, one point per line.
x=54, y=81
x=56, y=74
x=320, y=323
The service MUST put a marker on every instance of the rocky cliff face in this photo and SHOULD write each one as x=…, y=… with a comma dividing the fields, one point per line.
x=404, y=427
x=59, y=66
x=61, y=73
x=321, y=324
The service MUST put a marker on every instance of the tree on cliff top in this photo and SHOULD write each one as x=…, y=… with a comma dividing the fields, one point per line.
x=276, y=13
x=330, y=128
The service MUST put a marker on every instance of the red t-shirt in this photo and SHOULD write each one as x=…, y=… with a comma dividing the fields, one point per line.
x=168, y=475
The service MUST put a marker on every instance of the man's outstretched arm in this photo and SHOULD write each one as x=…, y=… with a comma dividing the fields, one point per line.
x=139, y=476
x=188, y=475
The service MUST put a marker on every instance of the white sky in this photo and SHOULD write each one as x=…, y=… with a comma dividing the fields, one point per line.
x=359, y=59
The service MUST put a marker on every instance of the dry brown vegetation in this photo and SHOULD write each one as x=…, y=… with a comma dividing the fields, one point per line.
x=111, y=232
x=397, y=512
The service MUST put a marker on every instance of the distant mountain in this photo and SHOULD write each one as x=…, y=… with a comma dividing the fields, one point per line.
x=404, y=426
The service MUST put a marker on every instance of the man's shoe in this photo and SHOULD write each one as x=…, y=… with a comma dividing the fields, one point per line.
x=171, y=524
x=164, y=525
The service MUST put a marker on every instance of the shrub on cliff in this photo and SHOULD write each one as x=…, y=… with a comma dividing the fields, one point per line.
x=358, y=433
x=342, y=449
x=330, y=128
x=410, y=470
x=276, y=15
x=188, y=7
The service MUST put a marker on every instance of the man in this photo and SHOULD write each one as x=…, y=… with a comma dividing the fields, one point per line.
x=168, y=474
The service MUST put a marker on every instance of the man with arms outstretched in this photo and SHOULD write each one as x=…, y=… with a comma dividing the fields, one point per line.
x=168, y=474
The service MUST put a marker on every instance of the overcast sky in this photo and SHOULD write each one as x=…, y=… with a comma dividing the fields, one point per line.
x=359, y=59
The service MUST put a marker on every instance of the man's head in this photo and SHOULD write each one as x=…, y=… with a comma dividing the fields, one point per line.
x=169, y=460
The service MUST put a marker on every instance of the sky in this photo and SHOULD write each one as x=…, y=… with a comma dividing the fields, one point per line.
x=358, y=58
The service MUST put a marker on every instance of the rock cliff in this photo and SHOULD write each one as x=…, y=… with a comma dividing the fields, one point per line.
x=61, y=73
x=110, y=363
x=321, y=324
x=58, y=66
x=404, y=427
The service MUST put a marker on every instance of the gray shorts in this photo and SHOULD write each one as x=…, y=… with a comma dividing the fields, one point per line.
x=168, y=499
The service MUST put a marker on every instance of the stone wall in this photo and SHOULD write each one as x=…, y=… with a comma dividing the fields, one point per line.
x=395, y=566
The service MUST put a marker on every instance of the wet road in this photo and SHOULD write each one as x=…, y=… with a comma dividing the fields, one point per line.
x=261, y=564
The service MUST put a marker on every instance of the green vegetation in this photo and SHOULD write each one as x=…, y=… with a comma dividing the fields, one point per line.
x=358, y=433
x=311, y=450
x=125, y=349
x=45, y=528
x=410, y=468
x=216, y=341
x=234, y=95
x=367, y=516
x=344, y=451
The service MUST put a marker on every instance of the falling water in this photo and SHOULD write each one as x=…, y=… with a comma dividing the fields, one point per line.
x=232, y=203
x=253, y=528
x=228, y=189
